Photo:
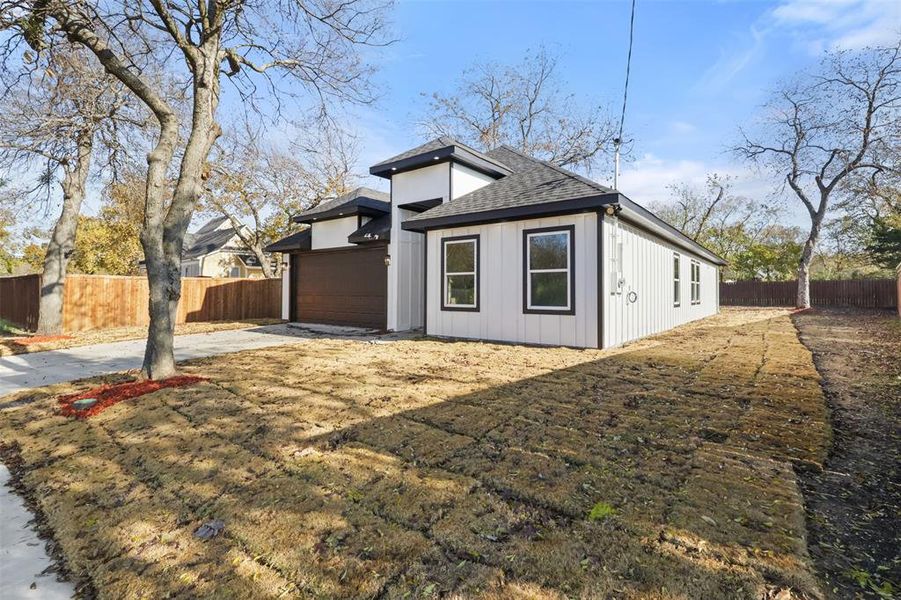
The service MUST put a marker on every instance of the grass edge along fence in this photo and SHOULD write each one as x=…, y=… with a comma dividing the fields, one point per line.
x=108, y=301
x=861, y=293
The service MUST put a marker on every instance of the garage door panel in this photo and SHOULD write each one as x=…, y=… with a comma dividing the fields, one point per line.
x=343, y=287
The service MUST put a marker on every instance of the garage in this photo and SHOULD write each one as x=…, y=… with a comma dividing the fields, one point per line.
x=347, y=286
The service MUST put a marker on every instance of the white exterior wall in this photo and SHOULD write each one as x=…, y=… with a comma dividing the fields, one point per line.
x=286, y=288
x=333, y=232
x=405, y=273
x=465, y=180
x=647, y=270
x=500, y=315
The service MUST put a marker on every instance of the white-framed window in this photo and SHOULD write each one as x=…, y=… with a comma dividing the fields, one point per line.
x=234, y=272
x=677, y=280
x=548, y=281
x=695, y=282
x=460, y=273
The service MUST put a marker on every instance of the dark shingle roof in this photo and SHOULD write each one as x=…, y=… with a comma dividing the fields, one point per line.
x=441, y=148
x=360, y=200
x=211, y=225
x=301, y=240
x=208, y=241
x=375, y=230
x=535, y=188
x=534, y=182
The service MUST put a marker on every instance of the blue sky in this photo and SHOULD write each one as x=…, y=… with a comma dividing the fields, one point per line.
x=699, y=69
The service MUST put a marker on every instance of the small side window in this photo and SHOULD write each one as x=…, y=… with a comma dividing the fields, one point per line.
x=677, y=281
x=695, y=282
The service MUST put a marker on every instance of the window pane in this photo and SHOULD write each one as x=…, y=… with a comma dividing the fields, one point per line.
x=676, y=266
x=676, y=292
x=461, y=289
x=548, y=251
x=549, y=289
x=461, y=257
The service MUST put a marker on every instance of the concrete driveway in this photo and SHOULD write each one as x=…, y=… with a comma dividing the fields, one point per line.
x=23, y=371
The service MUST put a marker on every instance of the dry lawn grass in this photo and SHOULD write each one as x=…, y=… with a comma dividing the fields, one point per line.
x=424, y=468
x=9, y=344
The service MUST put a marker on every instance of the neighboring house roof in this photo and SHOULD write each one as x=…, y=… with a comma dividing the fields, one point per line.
x=212, y=225
x=538, y=188
x=363, y=201
x=301, y=240
x=439, y=150
x=208, y=242
x=375, y=230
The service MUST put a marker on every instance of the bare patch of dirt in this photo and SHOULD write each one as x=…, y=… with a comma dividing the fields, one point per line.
x=425, y=468
x=854, y=502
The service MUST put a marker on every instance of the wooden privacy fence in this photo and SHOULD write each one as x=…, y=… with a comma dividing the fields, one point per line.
x=19, y=300
x=864, y=293
x=104, y=301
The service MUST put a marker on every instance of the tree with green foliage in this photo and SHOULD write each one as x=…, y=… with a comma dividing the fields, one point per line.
x=885, y=242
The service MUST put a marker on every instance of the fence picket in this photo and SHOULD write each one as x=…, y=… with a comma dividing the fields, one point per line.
x=863, y=293
x=106, y=301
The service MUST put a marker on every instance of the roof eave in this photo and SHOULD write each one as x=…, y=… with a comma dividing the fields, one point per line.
x=645, y=218
x=352, y=208
x=513, y=213
x=435, y=157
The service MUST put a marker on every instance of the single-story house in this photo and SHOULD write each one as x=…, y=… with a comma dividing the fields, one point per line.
x=215, y=250
x=496, y=246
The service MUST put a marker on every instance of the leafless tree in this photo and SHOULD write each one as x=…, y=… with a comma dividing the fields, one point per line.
x=824, y=130
x=692, y=209
x=715, y=216
x=260, y=186
x=62, y=112
x=523, y=106
x=308, y=45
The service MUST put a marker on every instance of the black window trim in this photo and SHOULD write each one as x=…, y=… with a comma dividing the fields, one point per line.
x=677, y=258
x=695, y=264
x=478, y=274
x=571, y=309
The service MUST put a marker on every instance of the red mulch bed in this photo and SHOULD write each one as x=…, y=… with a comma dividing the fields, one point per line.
x=107, y=395
x=40, y=339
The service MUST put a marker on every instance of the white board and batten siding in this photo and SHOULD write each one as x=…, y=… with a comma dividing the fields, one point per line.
x=332, y=233
x=645, y=304
x=405, y=272
x=446, y=181
x=501, y=316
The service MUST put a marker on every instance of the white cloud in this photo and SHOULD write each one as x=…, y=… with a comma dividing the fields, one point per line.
x=682, y=128
x=839, y=24
x=814, y=26
x=645, y=180
x=721, y=73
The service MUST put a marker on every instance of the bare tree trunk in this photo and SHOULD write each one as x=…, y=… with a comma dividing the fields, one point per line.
x=62, y=242
x=164, y=263
x=803, y=299
x=265, y=262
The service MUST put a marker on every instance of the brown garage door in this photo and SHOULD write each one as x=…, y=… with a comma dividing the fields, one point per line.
x=343, y=287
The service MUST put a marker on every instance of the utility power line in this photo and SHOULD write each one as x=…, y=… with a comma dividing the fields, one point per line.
x=618, y=141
